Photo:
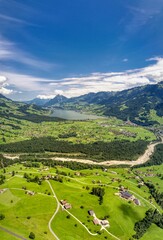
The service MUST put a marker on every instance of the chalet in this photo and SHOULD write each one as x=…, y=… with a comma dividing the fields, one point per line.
x=104, y=222
x=122, y=188
x=30, y=193
x=91, y=212
x=96, y=221
x=126, y=195
x=136, y=201
x=67, y=206
x=63, y=202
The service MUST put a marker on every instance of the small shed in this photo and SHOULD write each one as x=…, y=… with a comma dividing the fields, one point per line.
x=91, y=212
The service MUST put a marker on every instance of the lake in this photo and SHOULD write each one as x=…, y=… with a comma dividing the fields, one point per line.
x=72, y=115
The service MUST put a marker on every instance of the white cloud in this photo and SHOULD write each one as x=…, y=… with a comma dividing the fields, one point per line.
x=3, y=79
x=3, y=84
x=45, y=96
x=50, y=96
x=95, y=82
x=141, y=14
x=125, y=60
x=12, y=19
x=9, y=51
x=5, y=91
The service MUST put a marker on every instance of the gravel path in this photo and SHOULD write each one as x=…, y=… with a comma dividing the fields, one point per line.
x=56, y=211
x=12, y=233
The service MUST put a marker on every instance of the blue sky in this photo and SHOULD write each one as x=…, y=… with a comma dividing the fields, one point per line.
x=77, y=46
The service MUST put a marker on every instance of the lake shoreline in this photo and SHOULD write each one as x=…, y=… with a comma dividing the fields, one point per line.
x=72, y=115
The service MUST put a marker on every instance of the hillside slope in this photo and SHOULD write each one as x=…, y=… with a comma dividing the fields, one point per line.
x=142, y=105
x=11, y=111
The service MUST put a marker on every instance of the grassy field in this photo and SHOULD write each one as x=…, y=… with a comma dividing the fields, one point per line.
x=107, y=130
x=154, y=117
x=25, y=213
x=155, y=179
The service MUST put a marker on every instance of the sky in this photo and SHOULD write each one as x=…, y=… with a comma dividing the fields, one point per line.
x=78, y=46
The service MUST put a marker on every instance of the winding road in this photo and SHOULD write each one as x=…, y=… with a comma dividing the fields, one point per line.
x=56, y=211
x=58, y=206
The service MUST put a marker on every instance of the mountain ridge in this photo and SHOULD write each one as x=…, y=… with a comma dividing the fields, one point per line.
x=139, y=104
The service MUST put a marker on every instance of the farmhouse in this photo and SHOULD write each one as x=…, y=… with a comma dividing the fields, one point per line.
x=65, y=204
x=136, y=201
x=30, y=193
x=104, y=223
x=126, y=195
x=91, y=212
x=96, y=221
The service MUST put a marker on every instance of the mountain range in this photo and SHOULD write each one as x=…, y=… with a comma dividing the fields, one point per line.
x=142, y=105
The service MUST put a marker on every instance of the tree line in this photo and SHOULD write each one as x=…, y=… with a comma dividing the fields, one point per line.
x=155, y=194
x=100, y=151
x=151, y=216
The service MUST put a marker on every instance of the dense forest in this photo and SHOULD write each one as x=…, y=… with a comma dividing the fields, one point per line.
x=155, y=159
x=100, y=151
x=155, y=194
x=151, y=216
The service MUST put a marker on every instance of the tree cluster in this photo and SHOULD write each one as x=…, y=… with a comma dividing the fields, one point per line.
x=151, y=216
x=35, y=179
x=100, y=192
x=2, y=179
x=155, y=194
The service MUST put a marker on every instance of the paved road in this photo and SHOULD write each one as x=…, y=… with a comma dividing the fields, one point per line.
x=12, y=233
x=111, y=234
x=58, y=206
x=93, y=234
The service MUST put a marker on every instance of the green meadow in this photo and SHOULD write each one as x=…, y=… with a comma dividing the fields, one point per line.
x=25, y=213
x=109, y=129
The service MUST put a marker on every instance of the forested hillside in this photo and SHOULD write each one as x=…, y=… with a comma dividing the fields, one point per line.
x=142, y=105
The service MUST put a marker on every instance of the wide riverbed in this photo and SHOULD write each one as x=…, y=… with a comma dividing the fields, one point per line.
x=72, y=115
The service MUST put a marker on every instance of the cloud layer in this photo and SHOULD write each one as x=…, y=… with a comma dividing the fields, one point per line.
x=75, y=86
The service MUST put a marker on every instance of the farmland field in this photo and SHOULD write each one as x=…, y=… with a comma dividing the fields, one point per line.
x=106, y=130
x=25, y=213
